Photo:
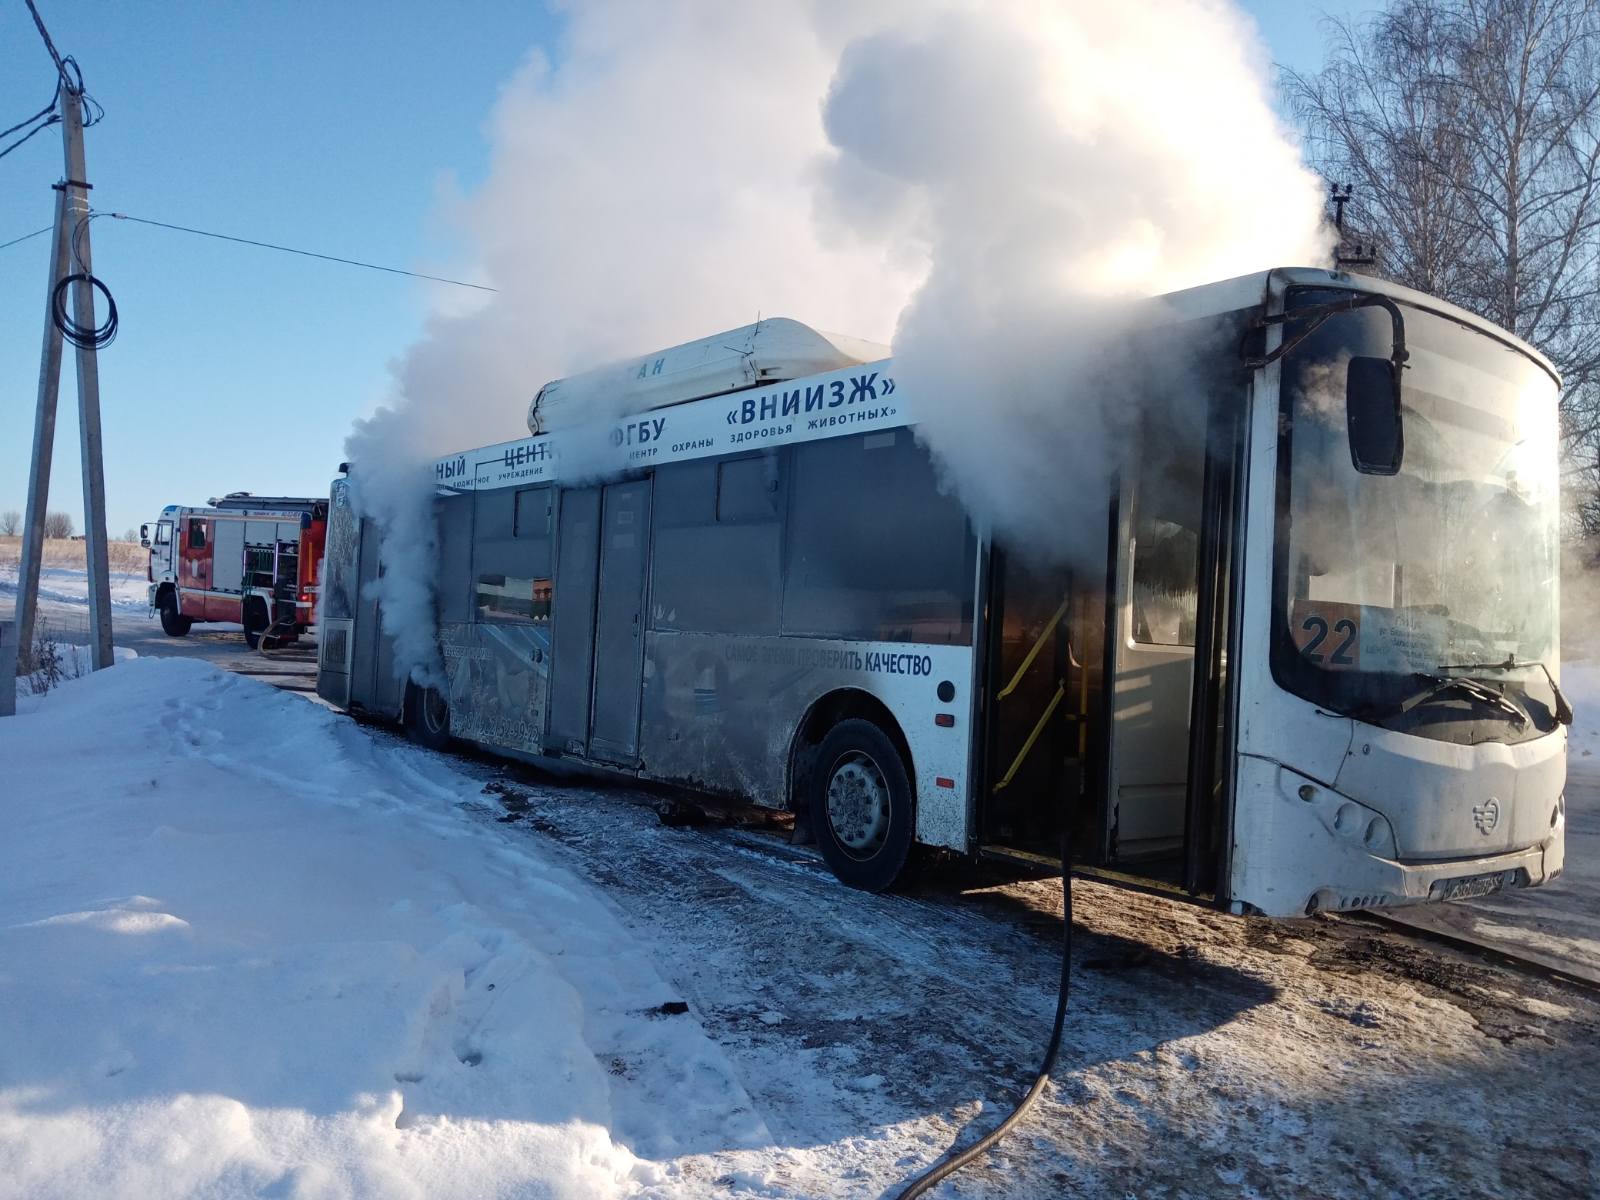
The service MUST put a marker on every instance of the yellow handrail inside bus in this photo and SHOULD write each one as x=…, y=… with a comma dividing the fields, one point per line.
x=1038, y=645
x=1044, y=718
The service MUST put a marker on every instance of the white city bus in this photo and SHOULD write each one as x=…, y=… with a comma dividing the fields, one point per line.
x=1313, y=665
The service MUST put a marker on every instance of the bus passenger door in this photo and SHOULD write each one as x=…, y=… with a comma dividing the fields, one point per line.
x=1151, y=663
x=619, y=626
x=572, y=620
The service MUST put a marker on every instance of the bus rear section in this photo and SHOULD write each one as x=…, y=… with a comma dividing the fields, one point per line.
x=1255, y=682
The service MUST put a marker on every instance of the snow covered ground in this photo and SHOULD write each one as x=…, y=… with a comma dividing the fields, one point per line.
x=251, y=947
x=246, y=954
x=70, y=585
x=71, y=662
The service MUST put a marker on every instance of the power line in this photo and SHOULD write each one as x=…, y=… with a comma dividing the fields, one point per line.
x=42, y=113
x=39, y=128
x=71, y=80
x=25, y=237
x=349, y=262
x=51, y=46
x=42, y=119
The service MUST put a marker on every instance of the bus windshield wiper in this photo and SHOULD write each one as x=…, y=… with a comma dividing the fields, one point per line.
x=1563, y=707
x=1437, y=685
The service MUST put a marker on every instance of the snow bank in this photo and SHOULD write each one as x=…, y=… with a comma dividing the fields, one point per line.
x=248, y=949
x=73, y=662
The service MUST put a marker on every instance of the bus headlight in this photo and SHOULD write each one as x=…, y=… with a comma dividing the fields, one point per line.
x=1343, y=817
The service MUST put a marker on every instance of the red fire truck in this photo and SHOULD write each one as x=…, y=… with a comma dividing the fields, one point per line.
x=251, y=560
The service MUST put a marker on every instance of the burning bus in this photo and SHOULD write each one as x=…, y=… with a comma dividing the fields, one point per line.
x=1312, y=662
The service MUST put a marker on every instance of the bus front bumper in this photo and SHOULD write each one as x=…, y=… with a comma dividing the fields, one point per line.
x=1291, y=860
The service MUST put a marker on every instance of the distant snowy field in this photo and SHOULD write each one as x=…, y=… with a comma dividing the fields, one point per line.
x=70, y=585
x=245, y=948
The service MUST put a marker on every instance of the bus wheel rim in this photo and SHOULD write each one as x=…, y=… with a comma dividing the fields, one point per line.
x=434, y=712
x=858, y=805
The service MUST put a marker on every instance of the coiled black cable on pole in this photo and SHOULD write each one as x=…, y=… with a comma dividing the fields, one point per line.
x=90, y=337
x=85, y=338
x=954, y=1161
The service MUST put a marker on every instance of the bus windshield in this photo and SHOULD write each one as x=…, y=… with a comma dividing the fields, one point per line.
x=1389, y=584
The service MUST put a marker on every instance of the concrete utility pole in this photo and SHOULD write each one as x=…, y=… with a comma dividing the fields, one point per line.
x=70, y=242
x=44, y=442
x=94, y=478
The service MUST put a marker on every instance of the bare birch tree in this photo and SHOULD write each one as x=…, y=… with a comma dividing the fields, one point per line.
x=1470, y=130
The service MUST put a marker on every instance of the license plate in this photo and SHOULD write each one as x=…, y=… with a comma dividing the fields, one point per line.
x=1469, y=887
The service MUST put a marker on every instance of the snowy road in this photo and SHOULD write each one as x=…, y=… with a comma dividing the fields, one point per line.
x=255, y=959
x=1204, y=1055
x=1555, y=924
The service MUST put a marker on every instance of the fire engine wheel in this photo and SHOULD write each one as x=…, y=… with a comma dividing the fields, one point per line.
x=861, y=807
x=427, y=717
x=256, y=621
x=173, y=623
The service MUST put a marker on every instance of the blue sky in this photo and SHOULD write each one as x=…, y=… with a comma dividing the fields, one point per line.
x=332, y=127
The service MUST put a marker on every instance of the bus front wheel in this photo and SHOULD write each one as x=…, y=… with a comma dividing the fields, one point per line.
x=861, y=807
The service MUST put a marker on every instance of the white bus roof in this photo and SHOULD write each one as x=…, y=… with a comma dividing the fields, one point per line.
x=769, y=351
x=843, y=383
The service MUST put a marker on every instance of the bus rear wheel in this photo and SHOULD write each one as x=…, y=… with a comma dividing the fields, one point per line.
x=861, y=806
x=427, y=717
x=173, y=623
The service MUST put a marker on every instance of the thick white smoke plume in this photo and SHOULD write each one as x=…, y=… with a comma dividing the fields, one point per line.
x=653, y=186
x=1059, y=160
x=685, y=166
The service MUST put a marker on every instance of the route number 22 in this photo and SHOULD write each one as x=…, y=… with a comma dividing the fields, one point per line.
x=1317, y=627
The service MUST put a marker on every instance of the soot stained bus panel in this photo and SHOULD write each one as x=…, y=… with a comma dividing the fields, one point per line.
x=494, y=609
x=336, y=618
x=721, y=713
x=499, y=682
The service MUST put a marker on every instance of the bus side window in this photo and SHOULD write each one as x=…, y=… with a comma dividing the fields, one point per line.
x=876, y=550
x=747, y=489
x=1166, y=549
x=163, y=533
x=532, y=516
x=717, y=535
x=511, y=554
x=197, y=534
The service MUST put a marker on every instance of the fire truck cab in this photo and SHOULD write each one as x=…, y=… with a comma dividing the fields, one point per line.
x=250, y=560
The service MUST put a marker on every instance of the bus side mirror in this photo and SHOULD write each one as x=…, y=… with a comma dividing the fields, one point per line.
x=144, y=536
x=1372, y=416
